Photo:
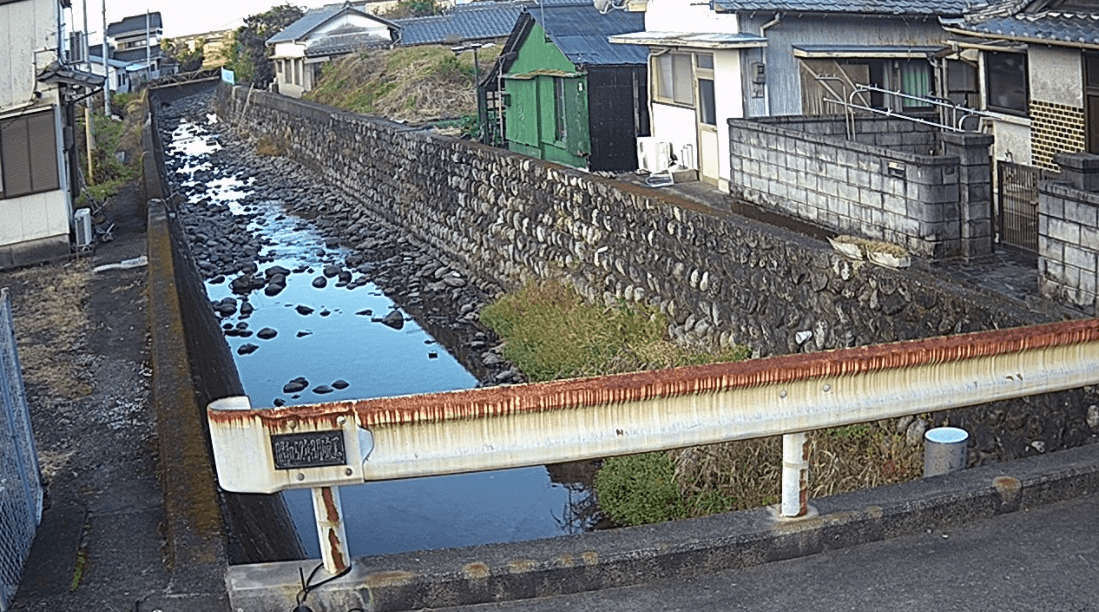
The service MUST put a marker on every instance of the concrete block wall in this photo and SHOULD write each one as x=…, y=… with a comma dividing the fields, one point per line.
x=887, y=184
x=1068, y=233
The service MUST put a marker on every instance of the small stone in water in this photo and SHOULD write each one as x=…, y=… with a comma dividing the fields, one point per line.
x=247, y=349
x=266, y=333
x=304, y=333
x=341, y=384
x=322, y=389
x=295, y=385
x=303, y=310
x=365, y=313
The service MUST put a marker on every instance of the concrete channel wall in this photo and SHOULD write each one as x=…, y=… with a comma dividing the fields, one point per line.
x=720, y=278
x=192, y=366
x=894, y=180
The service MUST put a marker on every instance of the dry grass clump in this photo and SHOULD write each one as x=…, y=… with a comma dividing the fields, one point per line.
x=748, y=474
x=552, y=333
x=52, y=327
x=412, y=84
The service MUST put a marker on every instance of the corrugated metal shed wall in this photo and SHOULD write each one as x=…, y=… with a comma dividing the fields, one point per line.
x=783, y=71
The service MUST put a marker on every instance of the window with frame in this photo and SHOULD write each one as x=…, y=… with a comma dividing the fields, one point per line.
x=674, y=78
x=704, y=71
x=1006, y=82
x=28, y=155
x=560, y=128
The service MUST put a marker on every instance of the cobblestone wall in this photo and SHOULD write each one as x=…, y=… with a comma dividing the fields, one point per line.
x=721, y=279
x=896, y=181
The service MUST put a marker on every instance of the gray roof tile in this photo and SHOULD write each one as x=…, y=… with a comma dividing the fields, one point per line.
x=1054, y=26
x=476, y=21
x=581, y=33
x=134, y=24
x=864, y=7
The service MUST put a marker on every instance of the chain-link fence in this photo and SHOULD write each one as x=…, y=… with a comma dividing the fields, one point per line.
x=20, y=481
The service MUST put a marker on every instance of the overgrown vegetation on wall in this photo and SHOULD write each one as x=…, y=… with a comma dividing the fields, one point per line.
x=413, y=84
x=116, y=147
x=552, y=333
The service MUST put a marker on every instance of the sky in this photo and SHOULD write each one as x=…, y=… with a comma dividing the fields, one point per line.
x=180, y=17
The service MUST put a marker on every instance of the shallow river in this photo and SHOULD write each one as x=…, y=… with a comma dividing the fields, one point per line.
x=339, y=342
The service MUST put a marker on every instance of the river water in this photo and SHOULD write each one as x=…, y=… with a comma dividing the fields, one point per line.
x=343, y=352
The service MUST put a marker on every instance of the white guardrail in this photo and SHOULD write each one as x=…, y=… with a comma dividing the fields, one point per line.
x=321, y=446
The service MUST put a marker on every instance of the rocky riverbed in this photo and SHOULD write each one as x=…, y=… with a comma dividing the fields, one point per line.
x=229, y=194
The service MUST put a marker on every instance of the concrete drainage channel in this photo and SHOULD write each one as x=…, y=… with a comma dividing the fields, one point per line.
x=496, y=572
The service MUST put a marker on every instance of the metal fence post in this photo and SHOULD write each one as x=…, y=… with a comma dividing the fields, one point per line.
x=330, y=529
x=795, y=474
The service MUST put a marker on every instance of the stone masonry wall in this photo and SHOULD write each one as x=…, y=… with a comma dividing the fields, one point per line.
x=891, y=183
x=507, y=218
x=1068, y=233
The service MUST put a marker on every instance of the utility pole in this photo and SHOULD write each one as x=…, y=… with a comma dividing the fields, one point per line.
x=148, y=76
x=84, y=39
x=106, y=71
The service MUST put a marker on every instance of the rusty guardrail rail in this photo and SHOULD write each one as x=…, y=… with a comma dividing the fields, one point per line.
x=321, y=446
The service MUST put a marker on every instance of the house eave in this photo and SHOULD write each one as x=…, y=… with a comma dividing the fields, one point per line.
x=693, y=40
x=1021, y=40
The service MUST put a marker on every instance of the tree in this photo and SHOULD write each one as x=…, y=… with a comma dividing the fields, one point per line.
x=188, y=60
x=248, y=55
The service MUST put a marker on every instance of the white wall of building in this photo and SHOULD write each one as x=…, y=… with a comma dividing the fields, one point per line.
x=1056, y=74
x=687, y=16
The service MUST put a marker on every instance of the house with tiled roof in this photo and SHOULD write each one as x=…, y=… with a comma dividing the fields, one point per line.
x=476, y=22
x=299, y=50
x=569, y=96
x=756, y=58
x=1033, y=66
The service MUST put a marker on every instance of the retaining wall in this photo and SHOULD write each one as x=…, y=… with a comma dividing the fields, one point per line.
x=897, y=181
x=720, y=278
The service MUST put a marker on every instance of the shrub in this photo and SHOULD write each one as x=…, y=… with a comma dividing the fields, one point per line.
x=639, y=489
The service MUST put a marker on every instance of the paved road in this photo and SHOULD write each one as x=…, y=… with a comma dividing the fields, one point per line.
x=1045, y=559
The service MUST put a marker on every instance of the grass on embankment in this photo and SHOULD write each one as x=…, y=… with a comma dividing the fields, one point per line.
x=413, y=84
x=551, y=333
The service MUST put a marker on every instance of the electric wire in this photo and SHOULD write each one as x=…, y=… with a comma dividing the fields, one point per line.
x=307, y=587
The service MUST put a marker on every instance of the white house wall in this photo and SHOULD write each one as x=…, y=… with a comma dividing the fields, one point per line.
x=25, y=27
x=34, y=217
x=729, y=104
x=676, y=125
x=1056, y=74
x=359, y=22
x=687, y=16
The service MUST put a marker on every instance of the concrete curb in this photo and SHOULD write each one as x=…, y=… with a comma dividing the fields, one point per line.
x=624, y=557
x=196, y=537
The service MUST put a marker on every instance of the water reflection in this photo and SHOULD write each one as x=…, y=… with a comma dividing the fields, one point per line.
x=340, y=340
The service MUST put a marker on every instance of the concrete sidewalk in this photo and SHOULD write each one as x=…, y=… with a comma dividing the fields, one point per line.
x=1036, y=560
x=103, y=543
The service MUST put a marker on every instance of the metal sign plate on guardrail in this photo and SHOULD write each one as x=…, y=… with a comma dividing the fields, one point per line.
x=308, y=449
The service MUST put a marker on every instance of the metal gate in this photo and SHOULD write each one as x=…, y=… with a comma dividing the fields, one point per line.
x=20, y=481
x=1018, y=210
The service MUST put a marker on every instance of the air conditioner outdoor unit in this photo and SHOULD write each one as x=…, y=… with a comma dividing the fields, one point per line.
x=82, y=219
x=653, y=155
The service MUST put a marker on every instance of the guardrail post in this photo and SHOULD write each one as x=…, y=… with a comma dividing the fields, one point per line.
x=330, y=529
x=795, y=474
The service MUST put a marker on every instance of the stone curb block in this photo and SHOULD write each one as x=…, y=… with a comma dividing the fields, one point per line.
x=678, y=550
